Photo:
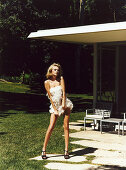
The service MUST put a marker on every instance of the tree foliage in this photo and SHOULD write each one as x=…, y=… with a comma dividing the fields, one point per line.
x=18, y=18
x=102, y=11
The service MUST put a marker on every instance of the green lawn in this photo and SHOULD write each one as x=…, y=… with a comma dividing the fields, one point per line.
x=24, y=120
x=13, y=87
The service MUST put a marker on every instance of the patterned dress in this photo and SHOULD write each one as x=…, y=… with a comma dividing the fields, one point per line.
x=57, y=93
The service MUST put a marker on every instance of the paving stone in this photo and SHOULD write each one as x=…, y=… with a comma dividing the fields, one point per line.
x=75, y=125
x=109, y=154
x=58, y=157
x=100, y=145
x=102, y=141
x=63, y=166
x=110, y=161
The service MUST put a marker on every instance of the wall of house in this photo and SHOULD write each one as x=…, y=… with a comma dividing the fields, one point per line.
x=120, y=79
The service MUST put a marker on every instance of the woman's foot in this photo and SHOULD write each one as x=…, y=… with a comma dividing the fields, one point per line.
x=66, y=155
x=44, y=155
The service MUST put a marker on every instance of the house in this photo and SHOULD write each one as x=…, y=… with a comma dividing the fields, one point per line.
x=109, y=43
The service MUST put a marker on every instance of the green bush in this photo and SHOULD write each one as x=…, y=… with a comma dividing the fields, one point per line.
x=25, y=78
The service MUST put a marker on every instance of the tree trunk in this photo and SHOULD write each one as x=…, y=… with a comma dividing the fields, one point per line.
x=81, y=12
x=78, y=51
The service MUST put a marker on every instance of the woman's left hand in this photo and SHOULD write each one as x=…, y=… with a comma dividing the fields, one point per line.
x=63, y=106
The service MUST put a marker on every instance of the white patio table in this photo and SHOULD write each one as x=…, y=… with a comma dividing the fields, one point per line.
x=111, y=120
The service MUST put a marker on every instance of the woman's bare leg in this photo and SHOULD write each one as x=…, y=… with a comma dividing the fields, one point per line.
x=66, y=128
x=53, y=119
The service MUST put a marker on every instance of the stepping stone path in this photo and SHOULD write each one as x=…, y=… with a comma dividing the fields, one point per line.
x=107, y=150
x=64, y=166
x=58, y=157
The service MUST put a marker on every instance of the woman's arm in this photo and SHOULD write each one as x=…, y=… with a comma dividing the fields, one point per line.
x=64, y=94
x=47, y=87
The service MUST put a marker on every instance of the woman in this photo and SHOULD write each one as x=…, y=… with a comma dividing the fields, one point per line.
x=60, y=105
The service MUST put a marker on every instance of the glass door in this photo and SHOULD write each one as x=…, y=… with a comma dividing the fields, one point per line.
x=106, y=73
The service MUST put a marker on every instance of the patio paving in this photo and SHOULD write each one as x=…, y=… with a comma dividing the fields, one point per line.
x=64, y=166
x=58, y=157
x=107, y=149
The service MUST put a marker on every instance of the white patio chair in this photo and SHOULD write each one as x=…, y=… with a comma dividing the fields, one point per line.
x=122, y=127
x=102, y=111
x=123, y=123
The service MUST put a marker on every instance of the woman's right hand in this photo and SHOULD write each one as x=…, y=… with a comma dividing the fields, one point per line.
x=55, y=112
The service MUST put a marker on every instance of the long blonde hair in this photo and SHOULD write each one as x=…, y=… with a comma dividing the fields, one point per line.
x=49, y=71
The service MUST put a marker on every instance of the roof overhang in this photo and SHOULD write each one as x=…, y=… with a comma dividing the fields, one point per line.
x=110, y=32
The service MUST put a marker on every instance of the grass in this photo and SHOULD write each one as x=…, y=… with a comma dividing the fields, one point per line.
x=90, y=158
x=23, y=123
x=13, y=87
x=112, y=150
x=83, y=96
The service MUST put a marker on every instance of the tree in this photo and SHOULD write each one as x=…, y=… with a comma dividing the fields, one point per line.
x=18, y=19
x=118, y=8
x=103, y=11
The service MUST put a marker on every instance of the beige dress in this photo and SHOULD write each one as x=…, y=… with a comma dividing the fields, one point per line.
x=57, y=93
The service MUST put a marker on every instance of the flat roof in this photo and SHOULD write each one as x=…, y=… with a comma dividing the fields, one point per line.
x=108, y=32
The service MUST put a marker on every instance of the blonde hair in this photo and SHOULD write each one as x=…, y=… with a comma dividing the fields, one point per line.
x=49, y=71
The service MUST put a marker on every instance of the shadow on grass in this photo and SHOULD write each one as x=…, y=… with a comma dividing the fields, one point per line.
x=30, y=103
x=36, y=87
x=13, y=103
x=3, y=133
x=81, y=104
x=78, y=124
x=34, y=103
